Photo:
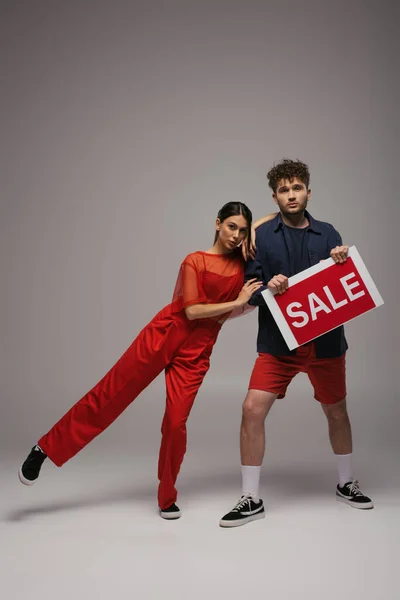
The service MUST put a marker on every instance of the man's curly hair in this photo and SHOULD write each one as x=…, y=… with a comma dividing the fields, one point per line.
x=288, y=169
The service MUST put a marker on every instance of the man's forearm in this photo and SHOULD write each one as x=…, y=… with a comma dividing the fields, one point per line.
x=264, y=220
x=257, y=298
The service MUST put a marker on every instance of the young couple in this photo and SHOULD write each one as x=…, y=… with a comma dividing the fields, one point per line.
x=213, y=286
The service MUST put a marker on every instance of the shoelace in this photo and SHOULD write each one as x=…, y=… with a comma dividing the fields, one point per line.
x=354, y=488
x=242, y=503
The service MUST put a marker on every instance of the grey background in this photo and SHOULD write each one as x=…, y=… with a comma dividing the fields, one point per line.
x=125, y=126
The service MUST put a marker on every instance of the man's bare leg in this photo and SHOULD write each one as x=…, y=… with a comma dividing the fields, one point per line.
x=339, y=426
x=256, y=407
x=250, y=507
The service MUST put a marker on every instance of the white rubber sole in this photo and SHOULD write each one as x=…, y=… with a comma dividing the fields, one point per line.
x=255, y=517
x=366, y=506
x=170, y=516
x=23, y=479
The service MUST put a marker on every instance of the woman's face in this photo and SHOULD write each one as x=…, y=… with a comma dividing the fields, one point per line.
x=232, y=231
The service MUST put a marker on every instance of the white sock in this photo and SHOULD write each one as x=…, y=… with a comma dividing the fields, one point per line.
x=251, y=481
x=345, y=468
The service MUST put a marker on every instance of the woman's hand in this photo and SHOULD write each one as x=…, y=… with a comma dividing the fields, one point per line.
x=249, y=245
x=248, y=290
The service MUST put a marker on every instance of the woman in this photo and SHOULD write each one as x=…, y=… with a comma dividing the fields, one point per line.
x=178, y=340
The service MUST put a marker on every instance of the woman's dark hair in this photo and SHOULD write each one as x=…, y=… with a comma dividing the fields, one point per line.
x=233, y=209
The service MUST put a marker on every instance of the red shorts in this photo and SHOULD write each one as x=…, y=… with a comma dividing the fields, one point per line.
x=327, y=375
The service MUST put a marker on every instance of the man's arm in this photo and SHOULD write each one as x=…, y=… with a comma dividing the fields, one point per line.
x=261, y=269
x=253, y=269
x=264, y=220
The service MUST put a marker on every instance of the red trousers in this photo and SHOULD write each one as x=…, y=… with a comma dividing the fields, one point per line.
x=170, y=342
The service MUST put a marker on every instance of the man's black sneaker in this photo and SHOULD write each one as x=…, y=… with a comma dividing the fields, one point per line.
x=30, y=469
x=172, y=512
x=351, y=494
x=246, y=510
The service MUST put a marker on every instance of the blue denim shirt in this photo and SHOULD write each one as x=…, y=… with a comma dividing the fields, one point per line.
x=275, y=256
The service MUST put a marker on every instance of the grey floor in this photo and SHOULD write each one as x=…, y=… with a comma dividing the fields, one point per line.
x=91, y=530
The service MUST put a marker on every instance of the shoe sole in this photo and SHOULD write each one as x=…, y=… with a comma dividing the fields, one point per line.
x=170, y=516
x=23, y=479
x=365, y=506
x=255, y=517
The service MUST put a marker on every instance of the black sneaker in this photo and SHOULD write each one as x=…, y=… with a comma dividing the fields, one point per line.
x=351, y=494
x=30, y=469
x=246, y=510
x=172, y=512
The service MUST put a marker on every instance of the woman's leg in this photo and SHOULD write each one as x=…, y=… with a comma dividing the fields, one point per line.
x=184, y=377
x=140, y=364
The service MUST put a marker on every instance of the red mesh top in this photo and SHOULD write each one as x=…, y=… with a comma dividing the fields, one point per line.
x=206, y=278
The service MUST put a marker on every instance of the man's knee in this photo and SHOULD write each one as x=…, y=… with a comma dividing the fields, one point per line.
x=257, y=404
x=337, y=411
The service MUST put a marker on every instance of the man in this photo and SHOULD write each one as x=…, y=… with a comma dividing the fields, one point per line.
x=286, y=245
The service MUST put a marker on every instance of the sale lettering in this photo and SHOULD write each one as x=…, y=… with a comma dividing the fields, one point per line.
x=317, y=304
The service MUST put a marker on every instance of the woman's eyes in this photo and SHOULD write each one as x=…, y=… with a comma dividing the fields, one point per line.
x=241, y=231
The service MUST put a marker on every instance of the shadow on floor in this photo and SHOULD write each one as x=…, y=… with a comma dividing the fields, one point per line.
x=290, y=484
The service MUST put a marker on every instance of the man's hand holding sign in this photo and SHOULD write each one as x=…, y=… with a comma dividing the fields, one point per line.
x=279, y=283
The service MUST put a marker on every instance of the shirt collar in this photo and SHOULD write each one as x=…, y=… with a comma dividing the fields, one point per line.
x=313, y=226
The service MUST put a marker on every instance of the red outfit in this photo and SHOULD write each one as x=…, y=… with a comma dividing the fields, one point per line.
x=327, y=375
x=170, y=342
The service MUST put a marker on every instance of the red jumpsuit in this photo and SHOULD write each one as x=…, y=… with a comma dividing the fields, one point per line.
x=170, y=342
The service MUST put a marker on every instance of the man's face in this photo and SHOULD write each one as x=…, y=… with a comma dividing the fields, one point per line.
x=291, y=196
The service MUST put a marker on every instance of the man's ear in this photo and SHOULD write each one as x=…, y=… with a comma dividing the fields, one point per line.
x=275, y=200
